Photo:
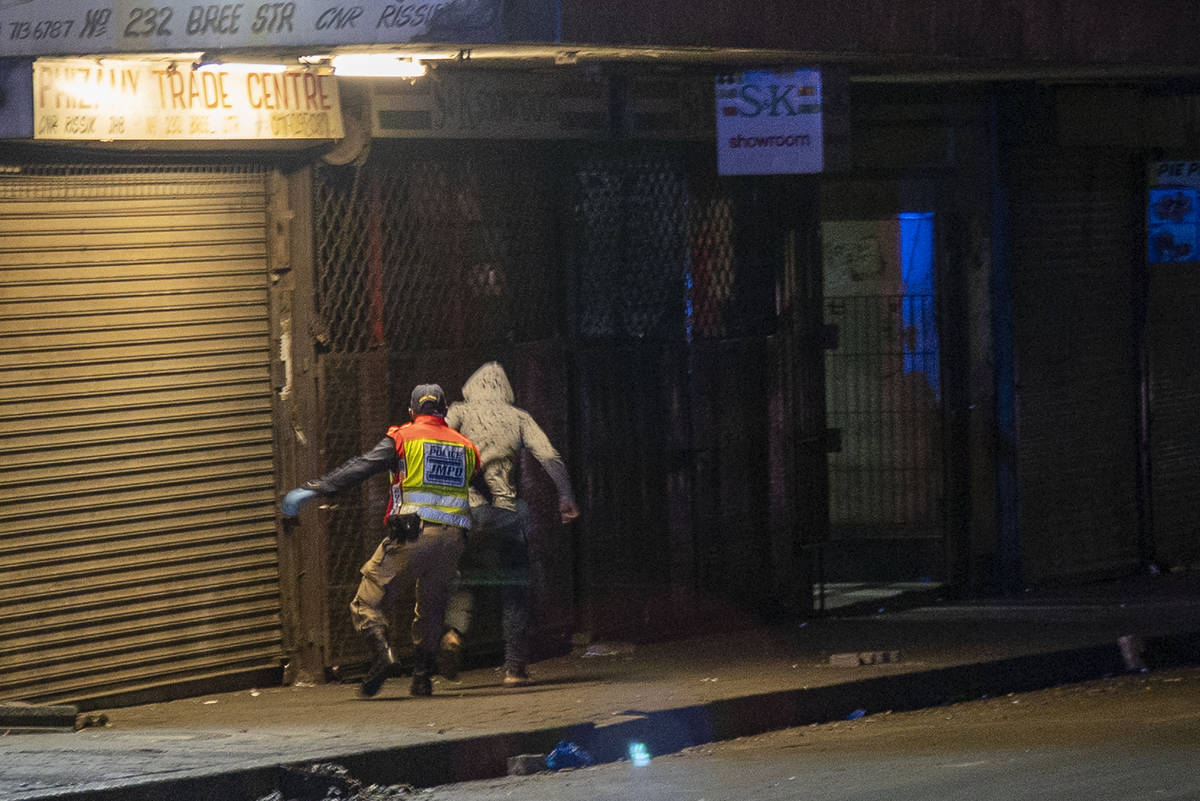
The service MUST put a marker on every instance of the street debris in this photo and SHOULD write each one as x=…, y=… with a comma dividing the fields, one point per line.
x=608, y=649
x=858, y=658
x=568, y=755
x=325, y=781
x=91, y=721
x=526, y=764
x=1132, y=647
x=639, y=755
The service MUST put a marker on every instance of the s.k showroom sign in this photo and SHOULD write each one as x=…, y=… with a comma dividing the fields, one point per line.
x=769, y=122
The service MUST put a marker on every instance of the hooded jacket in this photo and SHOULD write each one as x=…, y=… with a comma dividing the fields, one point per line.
x=487, y=416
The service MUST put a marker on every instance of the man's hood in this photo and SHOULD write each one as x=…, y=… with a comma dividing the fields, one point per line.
x=488, y=384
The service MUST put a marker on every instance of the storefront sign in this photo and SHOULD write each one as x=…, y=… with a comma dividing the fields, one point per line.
x=84, y=99
x=61, y=27
x=1173, y=212
x=768, y=122
x=669, y=107
x=491, y=105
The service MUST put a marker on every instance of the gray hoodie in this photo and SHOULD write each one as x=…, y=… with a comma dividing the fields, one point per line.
x=500, y=430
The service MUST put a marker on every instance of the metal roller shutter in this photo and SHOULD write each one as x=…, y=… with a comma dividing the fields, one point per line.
x=1173, y=332
x=1077, y=384
x=137, y=536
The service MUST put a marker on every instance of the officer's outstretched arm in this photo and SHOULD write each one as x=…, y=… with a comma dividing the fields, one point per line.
x=349, y=473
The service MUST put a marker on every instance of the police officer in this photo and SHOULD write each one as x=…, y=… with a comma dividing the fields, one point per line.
x=430, y=466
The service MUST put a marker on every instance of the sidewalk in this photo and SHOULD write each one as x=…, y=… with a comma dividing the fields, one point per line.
x=668, y=695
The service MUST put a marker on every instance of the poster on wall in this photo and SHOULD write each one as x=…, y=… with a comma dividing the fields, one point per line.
x=1173, y=212
x=769, y=122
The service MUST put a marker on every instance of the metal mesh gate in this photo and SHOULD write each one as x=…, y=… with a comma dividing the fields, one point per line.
x=888, y=471
x=431, y=259
x=674, y=369
x=632, y=219
x=624, y=285
x=886, y=482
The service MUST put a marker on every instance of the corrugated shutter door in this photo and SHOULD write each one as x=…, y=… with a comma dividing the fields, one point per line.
x=137, y=539
x=1072, y=218
x=1174, y=331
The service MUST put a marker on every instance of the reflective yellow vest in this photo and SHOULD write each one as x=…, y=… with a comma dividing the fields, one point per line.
x=436, y=464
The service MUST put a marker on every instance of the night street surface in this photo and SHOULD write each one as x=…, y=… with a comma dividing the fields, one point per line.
x=1125, y=738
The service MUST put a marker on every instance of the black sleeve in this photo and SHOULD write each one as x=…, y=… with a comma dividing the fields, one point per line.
x=357, y=469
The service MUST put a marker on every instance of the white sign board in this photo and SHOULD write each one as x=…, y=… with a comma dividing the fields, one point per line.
x=62, y=27
x=112, y=100
x=769, y=122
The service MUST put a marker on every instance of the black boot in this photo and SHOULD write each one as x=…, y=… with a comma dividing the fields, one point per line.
x=381, y=665
x=423, y=667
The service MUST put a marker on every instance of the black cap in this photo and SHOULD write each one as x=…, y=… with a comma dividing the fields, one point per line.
x=428, y=399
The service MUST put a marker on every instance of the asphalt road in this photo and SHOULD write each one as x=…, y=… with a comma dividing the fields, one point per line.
x=1125, y=738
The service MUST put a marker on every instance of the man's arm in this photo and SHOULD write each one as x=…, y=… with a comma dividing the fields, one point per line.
x=349, y=473
x=533, y=438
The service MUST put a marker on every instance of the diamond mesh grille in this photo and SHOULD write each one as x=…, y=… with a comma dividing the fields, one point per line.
x=632, y=215
x=420, y=250
x=439, y=255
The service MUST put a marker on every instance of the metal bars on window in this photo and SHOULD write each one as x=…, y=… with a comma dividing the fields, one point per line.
x=881, y=394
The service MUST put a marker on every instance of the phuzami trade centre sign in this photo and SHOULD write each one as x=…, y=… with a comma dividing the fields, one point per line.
x=107, y=99
x=70, y=27
x=769, y=121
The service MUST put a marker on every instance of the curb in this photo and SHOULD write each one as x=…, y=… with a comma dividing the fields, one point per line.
x=668, y=731
x=671, y=730
x=23, y=718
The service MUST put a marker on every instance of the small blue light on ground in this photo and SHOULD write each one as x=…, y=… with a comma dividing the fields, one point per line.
x=639, y=754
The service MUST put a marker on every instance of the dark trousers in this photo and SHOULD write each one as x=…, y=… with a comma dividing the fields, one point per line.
x=497, y=554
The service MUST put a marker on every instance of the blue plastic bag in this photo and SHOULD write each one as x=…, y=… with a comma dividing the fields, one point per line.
x=568, y=755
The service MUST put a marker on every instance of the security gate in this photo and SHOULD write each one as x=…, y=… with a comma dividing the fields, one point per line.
x=430, y=259
x=630, y=295
x=1076, y=383
x=883, y=398
x=137, y=538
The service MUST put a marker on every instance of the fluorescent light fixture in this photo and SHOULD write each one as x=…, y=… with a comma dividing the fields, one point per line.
x=376, y=65
x=209, y=63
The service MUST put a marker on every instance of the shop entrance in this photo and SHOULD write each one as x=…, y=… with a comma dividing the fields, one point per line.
x=883, y=403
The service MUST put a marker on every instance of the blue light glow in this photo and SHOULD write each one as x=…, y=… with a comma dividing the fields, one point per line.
x=916, y=272
x=639, y=754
